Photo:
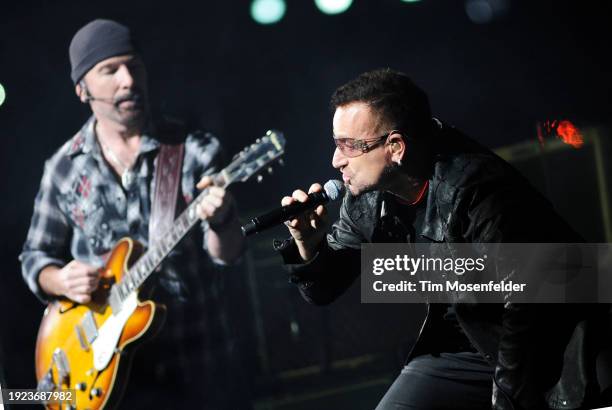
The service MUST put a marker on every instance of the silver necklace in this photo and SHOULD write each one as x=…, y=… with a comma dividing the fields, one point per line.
x=127, y=175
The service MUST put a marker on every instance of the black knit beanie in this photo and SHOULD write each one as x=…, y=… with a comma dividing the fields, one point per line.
x=97, y=41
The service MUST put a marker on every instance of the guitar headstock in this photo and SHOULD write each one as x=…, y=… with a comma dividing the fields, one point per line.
x=254, y=158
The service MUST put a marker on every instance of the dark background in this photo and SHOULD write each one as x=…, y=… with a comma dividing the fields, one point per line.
x=212, y=65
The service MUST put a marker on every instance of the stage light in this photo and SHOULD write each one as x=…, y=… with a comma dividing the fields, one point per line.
x=2, y=95
x=484, y=11
x=479, y=11
x=411, y=1
x=333, y=6
x=268, y=11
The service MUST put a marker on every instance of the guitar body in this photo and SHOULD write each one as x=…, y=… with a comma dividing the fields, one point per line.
x=87, y=347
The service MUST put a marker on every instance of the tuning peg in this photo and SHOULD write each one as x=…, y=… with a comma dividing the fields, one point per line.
x=270, y=170
x=281, y=162
x=259, y=178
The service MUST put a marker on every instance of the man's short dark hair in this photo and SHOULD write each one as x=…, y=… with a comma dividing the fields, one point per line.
x=391, y=94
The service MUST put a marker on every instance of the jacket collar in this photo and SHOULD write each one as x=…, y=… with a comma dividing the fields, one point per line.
x=433, y=223
x=85, y=141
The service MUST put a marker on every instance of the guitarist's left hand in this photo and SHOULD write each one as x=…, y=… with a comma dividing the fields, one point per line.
x=217, y=206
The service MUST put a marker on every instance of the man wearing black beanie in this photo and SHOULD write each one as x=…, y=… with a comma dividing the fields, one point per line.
x=99, y=187
x=106, y=41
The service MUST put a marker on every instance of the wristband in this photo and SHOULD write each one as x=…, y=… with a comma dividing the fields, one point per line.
x=225, y=222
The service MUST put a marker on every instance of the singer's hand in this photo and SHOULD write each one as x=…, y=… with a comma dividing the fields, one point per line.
x=309, y=228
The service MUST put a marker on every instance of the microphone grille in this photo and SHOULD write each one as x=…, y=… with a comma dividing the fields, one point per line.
x=334, y=189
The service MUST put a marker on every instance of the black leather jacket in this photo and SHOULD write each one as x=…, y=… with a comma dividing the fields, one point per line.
x=541, y=353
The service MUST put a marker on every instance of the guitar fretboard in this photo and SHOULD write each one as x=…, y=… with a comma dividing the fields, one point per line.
x=145, y=266
x=245, y=164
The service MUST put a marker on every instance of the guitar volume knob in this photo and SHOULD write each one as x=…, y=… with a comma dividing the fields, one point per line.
x=81, y=386
x=97, y=392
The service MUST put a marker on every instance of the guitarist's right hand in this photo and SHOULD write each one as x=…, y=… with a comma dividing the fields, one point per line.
x=76, y=281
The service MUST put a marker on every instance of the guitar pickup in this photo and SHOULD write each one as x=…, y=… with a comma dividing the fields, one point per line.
x=89, y=327
x=114, y=300
x=80, y=335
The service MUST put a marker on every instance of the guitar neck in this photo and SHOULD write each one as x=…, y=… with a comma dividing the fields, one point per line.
x=245, y=164
x=145, y=266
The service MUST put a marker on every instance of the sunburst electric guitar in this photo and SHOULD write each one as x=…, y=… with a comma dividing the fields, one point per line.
x=87, y=347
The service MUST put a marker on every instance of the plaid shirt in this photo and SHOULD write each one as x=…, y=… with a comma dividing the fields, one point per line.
x=81, y=211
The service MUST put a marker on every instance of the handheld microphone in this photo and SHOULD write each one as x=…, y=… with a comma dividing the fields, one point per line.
x=332, y=190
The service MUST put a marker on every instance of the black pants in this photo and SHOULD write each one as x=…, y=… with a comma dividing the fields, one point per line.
x=449, y=381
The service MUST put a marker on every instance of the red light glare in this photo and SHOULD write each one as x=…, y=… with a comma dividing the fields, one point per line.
x=569, y=134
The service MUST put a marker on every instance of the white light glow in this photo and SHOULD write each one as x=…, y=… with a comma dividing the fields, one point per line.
x=333, y=6
x=268, y=11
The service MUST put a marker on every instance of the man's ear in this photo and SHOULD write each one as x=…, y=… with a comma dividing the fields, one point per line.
x=81, y=91
x=398, y=147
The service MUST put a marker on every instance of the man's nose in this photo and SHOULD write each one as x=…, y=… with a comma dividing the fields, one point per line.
x=125, y=77
x=339, y=160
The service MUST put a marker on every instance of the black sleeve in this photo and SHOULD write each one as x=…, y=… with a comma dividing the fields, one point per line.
x=335, y=266
x=533, y=336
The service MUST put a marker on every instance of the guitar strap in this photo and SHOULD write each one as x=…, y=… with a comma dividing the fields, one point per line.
x=167, y=185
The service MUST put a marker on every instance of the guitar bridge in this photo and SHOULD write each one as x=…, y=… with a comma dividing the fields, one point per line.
x=61, y=363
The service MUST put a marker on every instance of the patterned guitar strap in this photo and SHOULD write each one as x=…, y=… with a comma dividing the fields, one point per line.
x=167, y=186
